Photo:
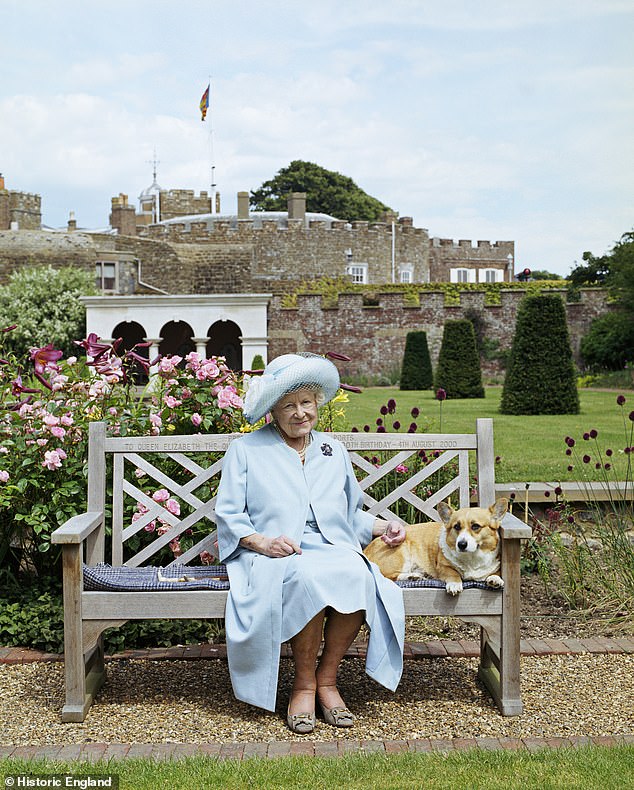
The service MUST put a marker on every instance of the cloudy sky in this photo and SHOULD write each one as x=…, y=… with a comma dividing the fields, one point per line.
x=481, y=119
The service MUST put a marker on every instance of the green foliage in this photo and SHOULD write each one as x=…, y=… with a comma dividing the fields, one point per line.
x=609, y=343
x=329, y=289
x=327, y=192
x=458, y=372
x=44, y=303
x=416, y=372
x=541, y=377
x=542, y=274
x=44, y=419
x=257, y=363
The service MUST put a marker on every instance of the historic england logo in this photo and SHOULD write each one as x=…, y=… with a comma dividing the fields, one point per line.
x=326, y=449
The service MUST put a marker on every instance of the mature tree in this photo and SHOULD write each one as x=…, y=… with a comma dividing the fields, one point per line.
x=610, y=341
x=540, y=377
x=543, y=274
x=44, y=303
x=327, y=192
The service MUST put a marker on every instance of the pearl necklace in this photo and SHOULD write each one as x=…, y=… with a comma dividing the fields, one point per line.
x=302, y=452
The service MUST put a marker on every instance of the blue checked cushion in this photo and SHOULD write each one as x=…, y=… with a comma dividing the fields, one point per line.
x=121, y=578
x=108, y=578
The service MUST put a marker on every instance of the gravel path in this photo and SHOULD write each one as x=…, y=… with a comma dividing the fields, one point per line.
x=191, y=702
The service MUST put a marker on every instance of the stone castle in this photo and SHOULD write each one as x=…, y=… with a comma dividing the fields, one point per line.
x=183, y=277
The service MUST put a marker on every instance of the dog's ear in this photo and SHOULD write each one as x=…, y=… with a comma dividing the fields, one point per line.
x=498, y=509
x=445, y=512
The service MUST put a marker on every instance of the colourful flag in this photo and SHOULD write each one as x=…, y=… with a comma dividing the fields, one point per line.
x=204, y=104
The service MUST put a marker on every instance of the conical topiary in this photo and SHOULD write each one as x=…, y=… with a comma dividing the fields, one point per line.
x=458, y=372
x=540, y=377
x=416, y=372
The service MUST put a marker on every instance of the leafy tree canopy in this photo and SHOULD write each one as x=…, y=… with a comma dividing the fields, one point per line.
x=327, y=192
x=615, y=270
x=44, y=303
x=543, y=274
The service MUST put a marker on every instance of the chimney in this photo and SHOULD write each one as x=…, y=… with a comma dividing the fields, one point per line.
x=1, y=181
x=123, y=216
x=243, y=205
x=297, y=205
x=72, y=222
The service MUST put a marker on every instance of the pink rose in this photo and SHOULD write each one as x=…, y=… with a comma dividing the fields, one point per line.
x=196, y=419
x=4, y=476
x=173, y=507
x=162, y=495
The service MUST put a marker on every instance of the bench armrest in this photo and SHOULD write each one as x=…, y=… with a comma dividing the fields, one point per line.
x=513, y=527
x=77, y=528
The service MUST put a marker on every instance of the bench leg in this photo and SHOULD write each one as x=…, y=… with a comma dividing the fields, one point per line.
x=74, y=665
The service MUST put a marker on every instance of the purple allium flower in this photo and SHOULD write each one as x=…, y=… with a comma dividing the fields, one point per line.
x=415, y=412
x=593, y=434
x=379, y=421
x=366, y=428
x=512, y=495
x=441, y=394
x=354, y=429
x=412, y=428
x=383, y=410
x=586, y=459
x=546, y=493
x=558, y=491
x=597, y=465
x=608, y=466
x=570, y=441
x=570, y=468
x=396, y=425
x=568, y=451
x=620, y=400
x=381, y=429
x=497, y=459
x=586, y=437
x=571, y=519
x=608, y=452
x=631, y=416
x=627, y=450
x=391, y=404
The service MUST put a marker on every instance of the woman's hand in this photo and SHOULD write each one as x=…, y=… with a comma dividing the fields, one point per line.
x=281, y=546
x=394, y=533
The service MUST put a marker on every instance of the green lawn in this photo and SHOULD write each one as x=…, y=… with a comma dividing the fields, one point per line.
x=531, y=448
x=580, y=768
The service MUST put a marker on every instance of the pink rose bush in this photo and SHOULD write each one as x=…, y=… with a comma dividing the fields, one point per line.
x=46, y=406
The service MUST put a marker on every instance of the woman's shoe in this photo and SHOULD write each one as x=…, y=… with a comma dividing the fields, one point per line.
x=301, y=723
x=338, y=717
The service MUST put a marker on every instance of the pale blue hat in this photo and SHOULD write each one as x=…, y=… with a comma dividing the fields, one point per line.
x=289, y=373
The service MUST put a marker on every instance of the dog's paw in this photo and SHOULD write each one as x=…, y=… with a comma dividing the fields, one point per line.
x=453, y=588
x=494, y=581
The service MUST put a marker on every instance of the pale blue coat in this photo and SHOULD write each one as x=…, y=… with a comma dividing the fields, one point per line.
x=266, y=489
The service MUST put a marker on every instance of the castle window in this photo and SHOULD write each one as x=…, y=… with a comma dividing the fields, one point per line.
x=358, y=273
x=490, y=275
x=106, y=275
x=462, y=275
x=406, y=274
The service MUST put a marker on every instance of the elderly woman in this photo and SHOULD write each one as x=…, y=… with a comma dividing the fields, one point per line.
x=291, y=529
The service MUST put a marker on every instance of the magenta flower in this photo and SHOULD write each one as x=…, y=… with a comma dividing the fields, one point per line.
x=93, y=347
x=586, y=459
x=9, y=328
x=383, y=410
x=441, y=394
x=415, y=412
x=396, y=425
x=593, y=434
x=391, y=405
x=196, y=419
x=412, y=428
x=350, y=387
x=570, y=441
x=162, y=495
x=45, y=358
x=17, y=387
x=173, y=507
x=620, y=400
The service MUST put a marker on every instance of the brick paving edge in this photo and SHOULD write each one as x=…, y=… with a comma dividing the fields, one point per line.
x=95, y=752
x=413, y=650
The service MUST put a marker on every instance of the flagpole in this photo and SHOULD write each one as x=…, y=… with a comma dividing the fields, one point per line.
x=211, y=152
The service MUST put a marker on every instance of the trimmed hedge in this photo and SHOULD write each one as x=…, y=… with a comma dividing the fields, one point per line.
x=458, y=371
x=416, y=371
x=541, y=377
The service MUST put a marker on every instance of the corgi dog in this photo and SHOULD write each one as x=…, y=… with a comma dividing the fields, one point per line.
x=466, y=545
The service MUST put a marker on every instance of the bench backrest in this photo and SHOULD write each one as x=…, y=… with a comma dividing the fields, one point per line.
x=399, y=473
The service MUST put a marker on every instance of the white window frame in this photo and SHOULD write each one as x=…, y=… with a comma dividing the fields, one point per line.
x=358, y=273
x=100, y=278
x=462, y=274
x=406, y=274
x=490, y=275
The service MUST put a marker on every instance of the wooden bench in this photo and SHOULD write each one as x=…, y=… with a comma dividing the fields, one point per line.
x=195, y=463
